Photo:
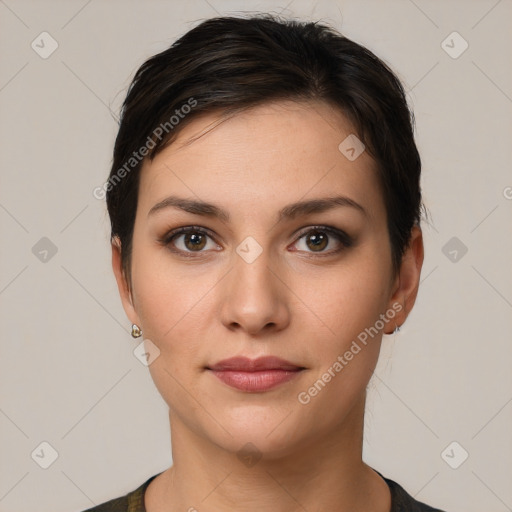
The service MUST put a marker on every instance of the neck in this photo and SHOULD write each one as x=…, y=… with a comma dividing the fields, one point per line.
x=323, y=473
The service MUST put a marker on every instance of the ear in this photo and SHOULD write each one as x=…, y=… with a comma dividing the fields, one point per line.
x=405, y=287
x=123, y=283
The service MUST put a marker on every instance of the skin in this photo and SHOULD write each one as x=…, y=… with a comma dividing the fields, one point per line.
x=290, y=302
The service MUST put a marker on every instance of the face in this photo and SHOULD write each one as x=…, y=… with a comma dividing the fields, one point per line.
x=269, y=275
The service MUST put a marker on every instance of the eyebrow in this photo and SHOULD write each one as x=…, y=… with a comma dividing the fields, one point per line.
x=288, y=212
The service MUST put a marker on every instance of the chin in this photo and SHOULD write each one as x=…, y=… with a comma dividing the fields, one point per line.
x=268, y=429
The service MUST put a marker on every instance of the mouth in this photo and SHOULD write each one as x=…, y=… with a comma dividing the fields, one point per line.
x=255, y=375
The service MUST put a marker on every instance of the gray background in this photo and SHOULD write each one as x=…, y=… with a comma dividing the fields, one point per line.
x=68, y=375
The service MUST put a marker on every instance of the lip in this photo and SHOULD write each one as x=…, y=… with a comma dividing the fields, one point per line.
x=245, y=364
x=255, y=375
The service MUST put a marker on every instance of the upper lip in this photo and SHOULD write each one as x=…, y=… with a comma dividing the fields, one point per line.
x=246, y=364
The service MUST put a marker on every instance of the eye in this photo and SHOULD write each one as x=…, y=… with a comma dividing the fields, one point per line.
x=193, y=239
x=189, y=239
x=317, y=238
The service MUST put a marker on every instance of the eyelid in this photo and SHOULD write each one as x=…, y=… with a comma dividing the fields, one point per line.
x=186, y=229
x=166, y=239
x=344, y=238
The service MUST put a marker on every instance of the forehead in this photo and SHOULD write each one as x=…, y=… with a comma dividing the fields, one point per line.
x=268, y=155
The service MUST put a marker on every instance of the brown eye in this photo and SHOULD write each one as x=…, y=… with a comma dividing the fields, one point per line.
x=194, y=241
x=318, y=238
x=189, y=240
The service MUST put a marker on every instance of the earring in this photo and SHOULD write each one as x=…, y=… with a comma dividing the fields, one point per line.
x=397, y=328
x=136, y=332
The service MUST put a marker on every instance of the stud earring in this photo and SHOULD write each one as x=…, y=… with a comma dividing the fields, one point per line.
x=136, y=332
x=397, y=328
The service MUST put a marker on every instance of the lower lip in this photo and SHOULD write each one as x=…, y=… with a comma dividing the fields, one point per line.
x=255, y=381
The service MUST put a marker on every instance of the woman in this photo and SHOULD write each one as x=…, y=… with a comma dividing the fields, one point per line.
x=265, y=206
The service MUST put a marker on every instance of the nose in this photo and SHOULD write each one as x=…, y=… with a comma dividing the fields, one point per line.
x=255, y=297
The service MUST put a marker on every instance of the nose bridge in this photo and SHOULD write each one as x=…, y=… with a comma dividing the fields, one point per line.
x=251, y=269
x=255, y=297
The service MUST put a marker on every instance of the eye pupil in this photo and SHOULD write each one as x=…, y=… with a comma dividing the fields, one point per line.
x=318, y=239
x=198, y=241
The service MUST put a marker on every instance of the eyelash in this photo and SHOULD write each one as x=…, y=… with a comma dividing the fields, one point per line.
x=345, y=240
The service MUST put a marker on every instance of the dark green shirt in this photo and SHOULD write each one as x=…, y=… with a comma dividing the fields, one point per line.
x=134, y=500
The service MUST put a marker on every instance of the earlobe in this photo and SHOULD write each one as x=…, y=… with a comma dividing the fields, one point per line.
x=123, y=283
x=408, y=279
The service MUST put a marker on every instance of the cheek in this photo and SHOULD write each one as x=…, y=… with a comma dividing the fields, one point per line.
x=344, y=357
x=344, y=302
x=162, y=290
x=171, y=306
x=171, y=300
x=343, y=309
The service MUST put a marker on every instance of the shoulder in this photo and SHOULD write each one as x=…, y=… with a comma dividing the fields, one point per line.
x=130, y=502
x=402, y=501
x=114, y=505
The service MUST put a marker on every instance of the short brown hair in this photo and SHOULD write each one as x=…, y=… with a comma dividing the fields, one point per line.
x=227, y=64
